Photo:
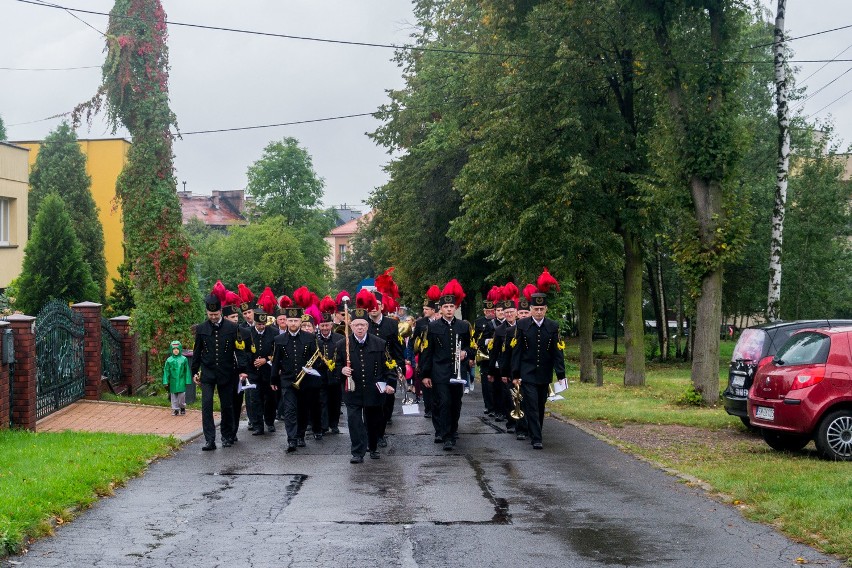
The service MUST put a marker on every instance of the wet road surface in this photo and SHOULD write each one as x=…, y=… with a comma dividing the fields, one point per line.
x=492, y=501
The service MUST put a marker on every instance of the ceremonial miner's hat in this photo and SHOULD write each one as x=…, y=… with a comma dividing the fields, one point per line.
x=212, y=303
x=364, y=303
x=359, y=314
x=538, y=299
x=433, y=295
x=453, y=293
x=492, y=299
x=327, y=308
x=230, y=303
x=246, y=297
x=339, y=300
x=259, y=314
x=523, y=303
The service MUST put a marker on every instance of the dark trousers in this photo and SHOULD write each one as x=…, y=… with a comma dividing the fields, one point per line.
x=499, y=396
x=487, y=389
x=310, y=410
x=447, y=407
x=226, y=426
x=263, y=403
x=237, y=404
x=334, y=396
x=387, y=412
x=323, y=398
x=289, y=410
x=253, y=417
x=364, y=423
x=535, y=397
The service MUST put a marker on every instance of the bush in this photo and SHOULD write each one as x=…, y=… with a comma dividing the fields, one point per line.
x=692, y=397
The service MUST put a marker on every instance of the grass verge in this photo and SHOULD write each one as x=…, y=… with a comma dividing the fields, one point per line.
x=45, y=478
x=808, y=499
x=158, y=396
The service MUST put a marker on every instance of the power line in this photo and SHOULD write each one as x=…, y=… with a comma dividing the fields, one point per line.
x=293, y=123
x=803, y=36
x=49, y=68
x=831, y=103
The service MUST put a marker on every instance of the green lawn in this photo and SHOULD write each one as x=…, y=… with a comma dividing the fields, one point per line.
x=46, y=477
x=808, y=499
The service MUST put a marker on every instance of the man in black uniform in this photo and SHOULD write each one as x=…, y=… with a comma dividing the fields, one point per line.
x=536, y=356
x=421, y=327
x=387, y=329
x=328, y=342
x=365, y=363
x=448, y=346
x=214, y=366
x=256, y=367
x=499, y=370
x=294, y=348
x=483, y=333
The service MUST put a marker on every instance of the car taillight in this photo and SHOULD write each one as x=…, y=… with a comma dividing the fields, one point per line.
x=805, y=381
x=764, y=361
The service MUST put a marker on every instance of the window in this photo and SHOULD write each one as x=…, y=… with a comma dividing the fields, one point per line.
x=806, y=348
x=342, y=252
x=4, y=221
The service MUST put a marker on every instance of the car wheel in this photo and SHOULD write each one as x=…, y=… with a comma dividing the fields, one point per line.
x=746, y=422
x=834, y=436
x=784, y=442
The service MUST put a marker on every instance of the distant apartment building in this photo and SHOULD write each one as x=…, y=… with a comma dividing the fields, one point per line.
x=105, y=158
x=14, y=199
x=339, y=240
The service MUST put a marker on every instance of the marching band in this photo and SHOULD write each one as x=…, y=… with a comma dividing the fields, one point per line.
x=300, y=360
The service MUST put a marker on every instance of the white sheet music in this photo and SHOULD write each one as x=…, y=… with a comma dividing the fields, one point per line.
x=381, y=386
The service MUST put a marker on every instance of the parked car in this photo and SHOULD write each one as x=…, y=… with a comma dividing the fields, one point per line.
x=805, y=392
x=760, y=343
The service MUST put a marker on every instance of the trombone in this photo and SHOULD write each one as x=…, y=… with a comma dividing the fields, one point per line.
x=297, y=384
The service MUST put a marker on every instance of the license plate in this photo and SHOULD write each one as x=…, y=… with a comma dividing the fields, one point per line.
x=738, y=381
x=741, y=392
x=764, y=413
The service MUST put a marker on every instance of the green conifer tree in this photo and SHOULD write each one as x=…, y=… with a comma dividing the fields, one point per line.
x=60, y=168
x=53, y=261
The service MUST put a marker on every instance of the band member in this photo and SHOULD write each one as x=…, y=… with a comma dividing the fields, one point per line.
x=513, y=425
x=483, y=329
x=328, y=342
x=537, y=355
x=421, y=327
x=257, y=368
x=230, y=312
x=387, y=329
x=309, y=396
x=448, y=346
x=214, y=367
x=364, y=361
x=294, y=349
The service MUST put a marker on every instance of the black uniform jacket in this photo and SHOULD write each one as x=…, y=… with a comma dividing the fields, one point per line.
x=438, y=361
x=214, y=352
x=327, y=349
x=291, y=353
x=421, y=326
x=483, y=329
x=253, y=345
x=388, y=330
x=369, y=366
x=496, y=365
x=537, y=353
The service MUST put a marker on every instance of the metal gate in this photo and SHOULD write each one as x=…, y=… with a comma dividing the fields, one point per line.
x=61, y=376
x=110, y=353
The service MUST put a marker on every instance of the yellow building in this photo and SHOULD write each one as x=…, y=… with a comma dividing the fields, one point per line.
x=105, y=158
x=14, y=196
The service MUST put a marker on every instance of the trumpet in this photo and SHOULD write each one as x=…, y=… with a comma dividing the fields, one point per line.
x=297, y=384
x=457, y=364
x=517, y=397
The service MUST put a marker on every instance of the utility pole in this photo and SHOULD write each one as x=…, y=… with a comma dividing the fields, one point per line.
x=773, y=304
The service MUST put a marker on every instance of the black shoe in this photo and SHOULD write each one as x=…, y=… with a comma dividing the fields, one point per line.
x=227, y=443
x=251, y=428
x=453, y=441
x=182, y=411
x=257, y=433
x=374, y=455
x=175, y=412
x=491, y=414
x=448, y=445
x=234, y=439
x=317, y=437
x=300, y=442
x=356, y=459
x=537, y=446
x=270, y=427
x=486, y=411
x=499, y=418
x=439, y=440
x=291, y=446
x=390, y=422
x=208, y=446
x=383, y=442
x=427, y=415
x=335, y=430
x=521, y=437
x=510, y=429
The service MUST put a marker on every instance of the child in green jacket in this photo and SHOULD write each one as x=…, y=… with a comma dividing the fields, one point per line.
x=176, y=374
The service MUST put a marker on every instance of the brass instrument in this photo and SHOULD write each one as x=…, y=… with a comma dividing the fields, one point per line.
x=517, y=397
x=457, y=364
x=405, y=329
x=483, y=356
x=297, y=384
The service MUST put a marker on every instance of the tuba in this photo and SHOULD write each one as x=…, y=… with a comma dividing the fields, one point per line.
x=483, y=355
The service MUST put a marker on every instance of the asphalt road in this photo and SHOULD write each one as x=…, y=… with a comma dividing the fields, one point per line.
x=494, y=501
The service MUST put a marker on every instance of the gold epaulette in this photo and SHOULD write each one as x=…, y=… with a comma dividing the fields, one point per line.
x=560, y=344
x=513, y=342
x=473, y=344
x=390, y=364
x=239, y=344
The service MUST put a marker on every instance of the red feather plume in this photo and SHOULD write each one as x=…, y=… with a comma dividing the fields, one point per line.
x=433, y=293
x=386, y=285
x=327, y=305
x=302, y=297
x=494, y=294
x=453, y=287
x=366, y=300
x=510, y=291
x=529, y=290
x=267, y=300
x=219, y=291
x=545, y=282
x=340, y=295
x=285, y=302
x=231, y=299
x=246, y=295
x=389, y=305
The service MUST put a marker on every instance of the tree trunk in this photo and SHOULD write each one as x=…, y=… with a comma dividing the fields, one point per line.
x=679, y=334
x=652, y=287
x=634, y=326
x=615, y=321
x=773, y=303
x=661, y=297
x=586, y=324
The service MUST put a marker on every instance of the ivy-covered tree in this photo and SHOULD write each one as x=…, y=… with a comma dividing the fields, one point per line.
x=53, y=261
x=60, y=168
x=120, y=300
x=283, y=182
x=135, y=91
x=2, y=129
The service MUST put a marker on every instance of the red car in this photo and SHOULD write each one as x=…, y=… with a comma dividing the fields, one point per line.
x=804, y=393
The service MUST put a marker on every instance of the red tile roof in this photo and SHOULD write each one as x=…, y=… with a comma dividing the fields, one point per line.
x=351, y=227
x=202, y=207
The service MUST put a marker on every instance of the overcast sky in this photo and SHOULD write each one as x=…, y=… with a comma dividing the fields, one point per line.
x=227, y=80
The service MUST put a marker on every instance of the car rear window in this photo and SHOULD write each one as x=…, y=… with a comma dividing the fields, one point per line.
x=808, y=348
x=749, y=347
